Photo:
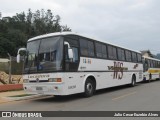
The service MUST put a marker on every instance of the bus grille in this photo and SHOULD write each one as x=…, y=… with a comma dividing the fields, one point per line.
x=34, y=81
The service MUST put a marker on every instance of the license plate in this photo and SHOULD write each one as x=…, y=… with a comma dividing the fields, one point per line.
x=39, y=88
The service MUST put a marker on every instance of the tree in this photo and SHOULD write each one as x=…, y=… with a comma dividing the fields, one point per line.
x=15, y=32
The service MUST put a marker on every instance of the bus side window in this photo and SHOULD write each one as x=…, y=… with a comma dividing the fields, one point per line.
x=139, y=58
x=146, y=65
x=128, y=56
x=101, y=50
x=87, y=47
x=112, y=52
x=134, y=57
x=121, y=55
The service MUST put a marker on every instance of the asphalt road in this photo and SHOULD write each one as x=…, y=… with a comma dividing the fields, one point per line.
x=142, y=97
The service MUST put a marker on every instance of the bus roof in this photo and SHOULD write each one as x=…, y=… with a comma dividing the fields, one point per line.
x=73, y=33
x=151, y=58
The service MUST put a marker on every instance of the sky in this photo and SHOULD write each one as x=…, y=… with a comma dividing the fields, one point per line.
x=133, y=24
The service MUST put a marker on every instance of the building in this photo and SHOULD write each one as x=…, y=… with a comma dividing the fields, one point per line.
x=3, y=60
x=6, y=19
x=147, y=53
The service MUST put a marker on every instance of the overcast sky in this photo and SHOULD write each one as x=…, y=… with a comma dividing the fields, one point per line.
x=133, y=24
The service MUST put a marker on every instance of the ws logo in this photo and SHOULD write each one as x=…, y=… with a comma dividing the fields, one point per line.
x=118, y=70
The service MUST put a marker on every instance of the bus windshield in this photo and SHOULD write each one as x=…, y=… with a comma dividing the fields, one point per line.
x=44, y=55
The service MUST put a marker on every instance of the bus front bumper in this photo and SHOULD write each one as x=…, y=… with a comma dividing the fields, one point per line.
x=44, y=88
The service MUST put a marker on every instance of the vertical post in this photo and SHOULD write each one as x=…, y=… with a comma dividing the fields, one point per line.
x=10, y=67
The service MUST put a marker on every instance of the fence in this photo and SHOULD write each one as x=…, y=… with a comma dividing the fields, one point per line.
x=16, y=69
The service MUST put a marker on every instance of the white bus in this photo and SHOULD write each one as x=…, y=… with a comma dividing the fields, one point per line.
x=151, y=67
x=68, y=63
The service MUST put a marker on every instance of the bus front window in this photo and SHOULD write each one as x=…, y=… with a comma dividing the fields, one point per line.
x=48, y=54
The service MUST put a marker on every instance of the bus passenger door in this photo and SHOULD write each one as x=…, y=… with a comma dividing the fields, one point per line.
x=72, y=64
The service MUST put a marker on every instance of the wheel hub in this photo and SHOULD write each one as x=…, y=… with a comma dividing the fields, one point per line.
x=89, y=87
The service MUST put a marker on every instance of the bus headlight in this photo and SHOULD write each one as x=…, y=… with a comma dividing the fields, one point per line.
x=54, y=80
x=25, y=81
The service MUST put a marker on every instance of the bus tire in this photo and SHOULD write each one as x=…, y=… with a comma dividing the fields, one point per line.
x=133, y=82
x=58, y=96
x=89, y=88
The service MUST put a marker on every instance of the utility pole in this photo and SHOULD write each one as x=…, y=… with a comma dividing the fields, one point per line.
x=10, y=67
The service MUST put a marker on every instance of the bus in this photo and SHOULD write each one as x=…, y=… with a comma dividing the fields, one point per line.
x=66, y=63
x=151, y=67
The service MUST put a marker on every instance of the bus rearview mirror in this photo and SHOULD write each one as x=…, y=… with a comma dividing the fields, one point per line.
x=18, y=58
x=18, y=54
x=70, y=53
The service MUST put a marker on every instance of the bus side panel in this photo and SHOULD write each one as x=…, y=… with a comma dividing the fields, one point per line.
x=109, y=73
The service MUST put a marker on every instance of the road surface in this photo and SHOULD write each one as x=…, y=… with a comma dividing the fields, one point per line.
x=142, y=97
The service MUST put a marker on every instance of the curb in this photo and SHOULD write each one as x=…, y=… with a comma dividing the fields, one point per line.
x=11, y=87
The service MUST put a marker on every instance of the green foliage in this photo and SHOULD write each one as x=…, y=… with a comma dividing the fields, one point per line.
x=15, y=31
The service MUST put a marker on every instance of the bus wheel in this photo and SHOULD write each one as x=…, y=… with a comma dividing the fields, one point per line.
x=58, y=96
x=89, y=88
x=133, y=83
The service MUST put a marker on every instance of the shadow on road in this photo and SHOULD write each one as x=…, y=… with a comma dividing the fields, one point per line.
x=74, y=97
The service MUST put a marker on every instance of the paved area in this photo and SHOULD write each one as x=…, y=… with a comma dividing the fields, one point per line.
x=9, y=93
x=143, y=97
